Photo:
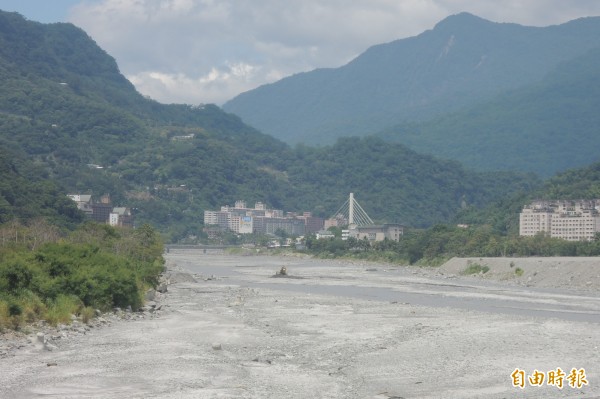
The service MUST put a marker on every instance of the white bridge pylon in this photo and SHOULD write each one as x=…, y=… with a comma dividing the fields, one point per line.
x=356, y=215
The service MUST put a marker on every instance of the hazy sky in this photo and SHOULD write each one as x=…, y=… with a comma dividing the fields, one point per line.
x=203, y=51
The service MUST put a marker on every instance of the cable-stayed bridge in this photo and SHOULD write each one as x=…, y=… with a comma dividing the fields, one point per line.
x=354, y=212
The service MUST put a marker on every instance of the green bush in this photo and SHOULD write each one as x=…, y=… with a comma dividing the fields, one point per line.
x=32, y=306
x=101, y=267
x=11, y=313
x=475, y=268
x=519, y=272
x=99, y=279
x=16, y=273
x=61, y=309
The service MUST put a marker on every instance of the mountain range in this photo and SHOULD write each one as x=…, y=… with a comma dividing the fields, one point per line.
x=545, y=127
x=67, y=111
x=483, y=93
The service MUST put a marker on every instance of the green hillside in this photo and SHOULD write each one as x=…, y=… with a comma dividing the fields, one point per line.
x=503, y=215
x=462, y=61
x=87, y=128
x=26, y=194
x=396, y=184
x=543, y=128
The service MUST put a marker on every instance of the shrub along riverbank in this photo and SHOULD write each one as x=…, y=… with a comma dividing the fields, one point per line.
x=48, y=276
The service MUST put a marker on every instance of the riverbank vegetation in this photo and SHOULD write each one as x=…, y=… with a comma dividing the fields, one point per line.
x=434, y=246
x=46, y=274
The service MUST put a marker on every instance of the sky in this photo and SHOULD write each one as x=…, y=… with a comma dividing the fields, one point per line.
x=208, y=51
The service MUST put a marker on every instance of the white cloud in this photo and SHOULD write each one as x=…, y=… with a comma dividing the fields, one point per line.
x=200, y=51
x=218, y=84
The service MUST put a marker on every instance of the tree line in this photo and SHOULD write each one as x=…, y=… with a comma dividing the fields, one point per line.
x=434, y=246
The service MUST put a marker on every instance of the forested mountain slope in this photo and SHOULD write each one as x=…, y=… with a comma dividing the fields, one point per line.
x=396, y=184
x=88, y=129
x=461, y=61
x=545, y=128
x=27, y=194
x=70, y=116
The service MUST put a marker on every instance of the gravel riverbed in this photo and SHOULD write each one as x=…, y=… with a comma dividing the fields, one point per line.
x=226, y=329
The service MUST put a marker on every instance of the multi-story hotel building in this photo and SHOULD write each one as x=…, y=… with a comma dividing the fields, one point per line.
x=243, y=220
x=573, y=220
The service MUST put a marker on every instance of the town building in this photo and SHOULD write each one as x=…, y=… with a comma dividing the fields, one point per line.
x=291, y=226
x=103, y=210
x=572, y=220
x=121, y=216
x=312, y=224
x=324, y=234
x=338, y=221
x=261, y=220
x=216, y=218
x=390, y=231
x=345, y=234
x=84, y=203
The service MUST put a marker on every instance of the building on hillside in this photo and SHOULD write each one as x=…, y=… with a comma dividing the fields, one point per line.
x=121, y=216
x=80, y=198
x=103, y=211
x=390, y=231
x=573, y=220
x=183, y=138
x=84, y=203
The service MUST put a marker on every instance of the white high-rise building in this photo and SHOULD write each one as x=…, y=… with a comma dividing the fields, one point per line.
x=573, y=220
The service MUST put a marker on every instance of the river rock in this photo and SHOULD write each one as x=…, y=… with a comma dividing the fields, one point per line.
x=162, y=288
x=41, y=337
x=49, y=347
x=150, y=294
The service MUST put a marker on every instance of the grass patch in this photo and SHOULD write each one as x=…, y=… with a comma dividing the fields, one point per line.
x=5, y=322
x=61, y=309
x=519, y=272
x=235, y=251
x=87, y=313
x=475, y=268
x=31, y=305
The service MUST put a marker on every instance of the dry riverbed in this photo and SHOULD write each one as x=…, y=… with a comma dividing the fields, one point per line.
x=226, y=329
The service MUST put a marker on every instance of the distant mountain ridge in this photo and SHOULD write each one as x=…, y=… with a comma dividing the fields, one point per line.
x=546, y=127
x=463, y=60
